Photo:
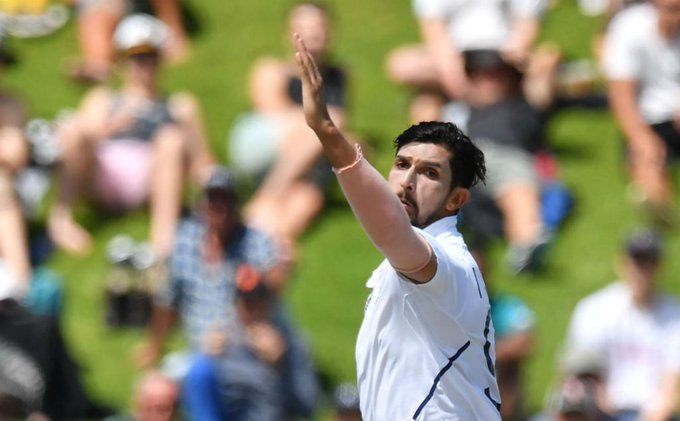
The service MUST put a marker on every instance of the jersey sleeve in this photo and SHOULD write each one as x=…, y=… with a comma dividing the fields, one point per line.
x=622, y=59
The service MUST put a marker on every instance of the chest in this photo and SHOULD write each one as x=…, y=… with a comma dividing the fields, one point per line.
x=660, y=59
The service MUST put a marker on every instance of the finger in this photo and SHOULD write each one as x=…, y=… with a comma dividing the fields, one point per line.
x=307, y=59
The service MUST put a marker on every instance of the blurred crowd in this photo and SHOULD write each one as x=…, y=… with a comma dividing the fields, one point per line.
x=217, y=268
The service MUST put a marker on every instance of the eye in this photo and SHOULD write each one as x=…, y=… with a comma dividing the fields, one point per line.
x=430, y=173
x=401, y=164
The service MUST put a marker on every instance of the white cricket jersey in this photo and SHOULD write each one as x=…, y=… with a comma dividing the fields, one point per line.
x=426, y=351
x=637, y=345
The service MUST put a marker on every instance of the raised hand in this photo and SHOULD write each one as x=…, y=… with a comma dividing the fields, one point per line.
x=315, y=109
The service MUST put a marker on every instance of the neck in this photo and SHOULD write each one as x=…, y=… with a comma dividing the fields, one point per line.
x=142, y=90
x=667, y=29
x=216, y=242
x=643, y=300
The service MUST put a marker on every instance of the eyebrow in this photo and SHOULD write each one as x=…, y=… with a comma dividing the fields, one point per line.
x=426, y=163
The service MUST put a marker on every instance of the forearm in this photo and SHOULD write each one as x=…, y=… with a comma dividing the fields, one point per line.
x=623, y=102
x=14, y=153
x=665, y=405
x=523, y=34
x=377, y=208
x=162, y=321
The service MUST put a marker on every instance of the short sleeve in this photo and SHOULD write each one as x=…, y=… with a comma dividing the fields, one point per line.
x=431, y=9
x=584, y=330
x=622, y=59
x=528, y=8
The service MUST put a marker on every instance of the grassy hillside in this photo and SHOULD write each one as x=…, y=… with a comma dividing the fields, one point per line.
x=328, y=293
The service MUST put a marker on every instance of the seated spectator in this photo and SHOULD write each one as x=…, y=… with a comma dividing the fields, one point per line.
x=635, y=331
x=508, y=127
x=37, y=375
x=97, y=20
x=261, y=371
x=156, y=397
x=448, y=28
x=15, y=270
x=126, y=147
x=644, y=93
x=210, y=246
x=274, y=143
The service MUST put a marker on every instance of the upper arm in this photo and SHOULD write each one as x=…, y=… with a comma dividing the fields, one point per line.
x=428, y=270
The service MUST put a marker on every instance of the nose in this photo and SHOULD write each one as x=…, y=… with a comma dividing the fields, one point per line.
x=408, y=180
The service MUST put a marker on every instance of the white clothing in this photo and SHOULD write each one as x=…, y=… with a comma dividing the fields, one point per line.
x=10, y=285
x=474, y=24
x=636, y=345
x=635, y=51
x=426, y=351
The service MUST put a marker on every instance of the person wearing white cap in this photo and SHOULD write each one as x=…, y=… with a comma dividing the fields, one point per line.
x=126, y=147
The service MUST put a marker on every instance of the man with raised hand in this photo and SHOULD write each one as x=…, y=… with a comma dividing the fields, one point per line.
x=425, y=349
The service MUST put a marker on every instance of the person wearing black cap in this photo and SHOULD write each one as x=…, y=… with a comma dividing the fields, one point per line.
x=508, y=127
x=635, y=330
x=201, y=284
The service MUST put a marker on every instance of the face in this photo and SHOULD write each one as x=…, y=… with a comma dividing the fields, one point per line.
x=220, y=211
x=490, y=86
x=640, y=274
x=312, y=25
x=157, y=402
x=143, y=67
x=669, y=12
x=421, y=178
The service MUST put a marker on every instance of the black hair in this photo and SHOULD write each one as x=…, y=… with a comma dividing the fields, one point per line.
x=467, y=161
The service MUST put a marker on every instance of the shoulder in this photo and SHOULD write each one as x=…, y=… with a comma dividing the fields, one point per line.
x=603, y=300
x=642, y=18
x=187, y=236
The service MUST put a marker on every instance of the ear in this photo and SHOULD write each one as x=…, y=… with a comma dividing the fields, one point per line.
x=458, y=197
